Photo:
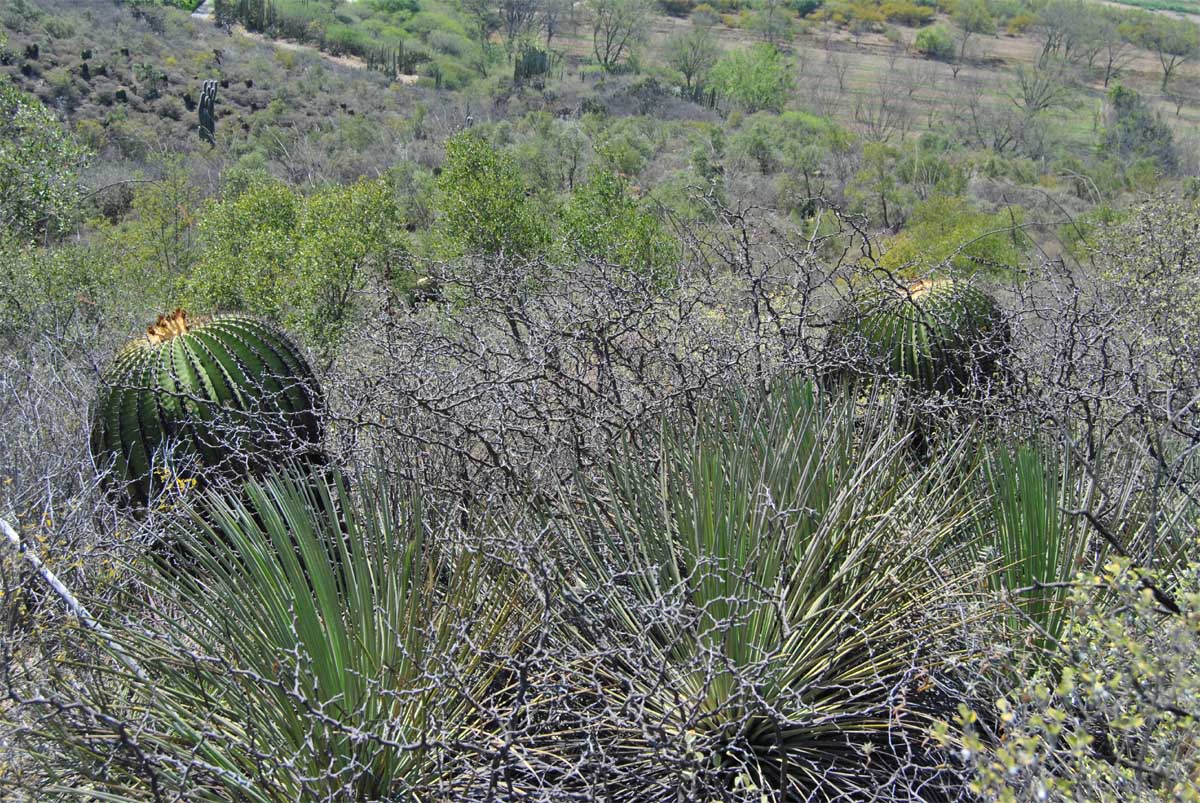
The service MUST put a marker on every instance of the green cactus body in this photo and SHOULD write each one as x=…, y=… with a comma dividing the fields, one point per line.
x=942, y=335
x=224, y=396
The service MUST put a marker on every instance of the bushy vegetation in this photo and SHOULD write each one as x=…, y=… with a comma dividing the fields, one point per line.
x=772, y=406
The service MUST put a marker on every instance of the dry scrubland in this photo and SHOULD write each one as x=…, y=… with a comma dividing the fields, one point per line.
x=585, y=434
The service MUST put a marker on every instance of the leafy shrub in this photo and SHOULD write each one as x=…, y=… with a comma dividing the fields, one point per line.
x=936, y=43
x=396, y=6
x=906, y=12
x=301, y=261
x=449, y=43
x=39, y=161
x=1019, y=24
x=1116, y=721
x=482, y=208
x=803, y=8
x=601, y=221
x=678, y=8
x=753, y=79
x=948, y=232
x=1135, y=130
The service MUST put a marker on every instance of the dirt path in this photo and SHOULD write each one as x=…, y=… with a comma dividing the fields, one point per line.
x=205, y=12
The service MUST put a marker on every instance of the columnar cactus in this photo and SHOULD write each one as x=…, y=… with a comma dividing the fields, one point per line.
x=224, y=396
x=208, y=118
x=941, y=334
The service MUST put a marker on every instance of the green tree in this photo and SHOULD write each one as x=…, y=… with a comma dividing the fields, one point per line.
x=936, y=43
x=877, y=191
x=602, y=222
x=301, y=261
x=692, y=54
x=1135, y=131
x=772, y=20
x=754, y=79
x=157, y=243
x=39, y=167
x=618, y=26
x=972, y=17
x=482, y=205
x=1174, y=41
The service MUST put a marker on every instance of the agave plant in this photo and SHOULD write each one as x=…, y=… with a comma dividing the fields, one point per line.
x=762, y=604
x=306, y=656
x=1035, y=536
x=197, y=398
x=940, y=334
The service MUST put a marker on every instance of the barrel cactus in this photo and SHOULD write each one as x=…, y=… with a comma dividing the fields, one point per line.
x=197, y=399
x=942, y=335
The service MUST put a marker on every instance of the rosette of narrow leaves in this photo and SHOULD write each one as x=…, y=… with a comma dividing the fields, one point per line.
x=757, y=617
x=941, y=335
x=306, y=655
x=196, y=399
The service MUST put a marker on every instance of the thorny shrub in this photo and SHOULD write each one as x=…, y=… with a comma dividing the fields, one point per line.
x=504, y=398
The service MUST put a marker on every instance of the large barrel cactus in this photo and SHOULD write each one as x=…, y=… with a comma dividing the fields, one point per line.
x=942, y=335
x=200, y=399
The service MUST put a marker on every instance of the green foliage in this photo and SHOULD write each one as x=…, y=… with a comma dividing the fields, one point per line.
x=301, y=261
x=195, y=399
x=973, y=16
x=805, y=7
x=947, y=232
x=49, y=289
x=624, y=144
x=552, y=153
x=602, y=222
x=771, y=573
x=1174, y=41
x=936, y=43
x=386, y=34
x=907, y=13
x=692, y=54
x=752, y=79
x=893, y=181
x=397, y=6
x=877, y=190
x=618, y=27
x=39, y=165
x=1118, y=723
x=482, y=206
x=1080, y=235
x=941, y=335
x=1038, y=546
x=1135, y=130
x=340, y=649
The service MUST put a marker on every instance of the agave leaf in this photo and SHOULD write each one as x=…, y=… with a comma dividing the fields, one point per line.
x=307, y=654
x=767, y=586
x=1039, y=545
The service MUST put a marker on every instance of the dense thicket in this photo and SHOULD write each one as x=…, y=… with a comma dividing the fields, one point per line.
x=808, y=420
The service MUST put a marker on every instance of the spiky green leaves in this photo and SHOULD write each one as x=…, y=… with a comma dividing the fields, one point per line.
x=325, y=657
x=940, y=334
x=228, y=395
x=758, y=599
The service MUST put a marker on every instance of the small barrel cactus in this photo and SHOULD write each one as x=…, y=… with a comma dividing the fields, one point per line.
x=196, y=399
x=941, y=334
